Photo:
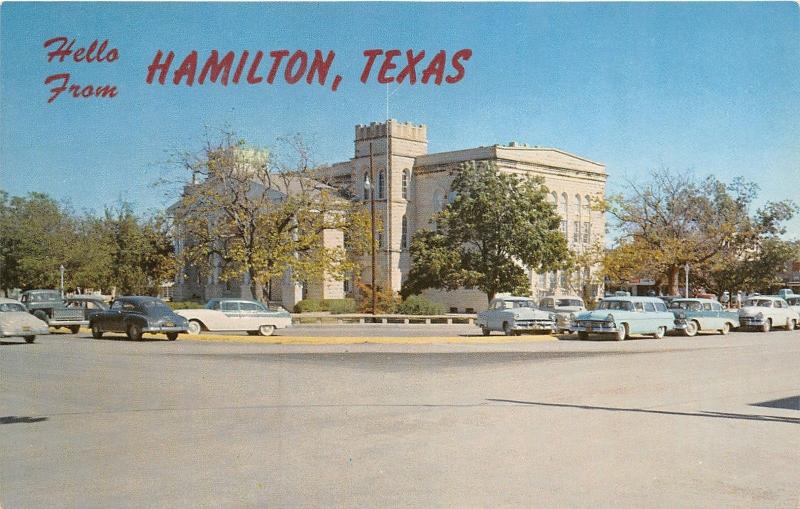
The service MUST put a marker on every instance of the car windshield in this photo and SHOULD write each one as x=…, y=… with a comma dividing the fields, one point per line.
x=509, y=304
x=569, y=302
x=44, y=296
x=760, y=303
x=690, y=305
x=154, y=307
x=11, y=307
x=623, y=305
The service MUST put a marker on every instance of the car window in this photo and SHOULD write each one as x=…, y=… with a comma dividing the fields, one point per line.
x=522, y=304
x=116, y=305
x=778, y=304
x=639, y=307
x=250, y=306
x=230, y=306
x=761, y=303
x=650, y=307
x=619, y=305
x=716, y=307
x=128, y=306
x=569, y=302
x=660, y=306
x=707, y=306
x=11, y=307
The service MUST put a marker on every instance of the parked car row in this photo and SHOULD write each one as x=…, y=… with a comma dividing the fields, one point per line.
x=38, y=310
x=621, y=315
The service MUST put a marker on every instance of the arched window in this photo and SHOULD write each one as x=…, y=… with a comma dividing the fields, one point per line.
x=554, y=198
x=404, y=233
x=381, y=185
x=405, y=183
x=564, y=204
x=366, y=183
x=578, y=207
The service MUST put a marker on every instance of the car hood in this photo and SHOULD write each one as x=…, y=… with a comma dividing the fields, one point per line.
x=19, y=318
x=753, y=310
x=597, y=314
x=569, y=309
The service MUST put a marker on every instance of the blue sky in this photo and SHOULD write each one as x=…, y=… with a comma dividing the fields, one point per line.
x=713, y=87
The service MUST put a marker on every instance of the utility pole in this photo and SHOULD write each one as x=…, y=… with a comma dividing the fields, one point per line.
x=686, y=271
x=372, y=226
x=61, y=270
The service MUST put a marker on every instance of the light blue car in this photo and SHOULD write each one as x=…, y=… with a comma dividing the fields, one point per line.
x=622, y=316
x=700, y=315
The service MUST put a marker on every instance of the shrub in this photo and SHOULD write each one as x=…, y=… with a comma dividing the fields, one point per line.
x=185, y=304
x=386, y=301
x=335, y=306
x=341, y=306
x=418, y=305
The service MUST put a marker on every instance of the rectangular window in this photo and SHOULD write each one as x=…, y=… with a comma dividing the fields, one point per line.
x=563, y=279
x=576, y=232
x=564, y=228
x=553, y=279
x=542, y=280
x=587, y=232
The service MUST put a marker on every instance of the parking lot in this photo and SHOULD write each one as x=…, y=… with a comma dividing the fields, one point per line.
x=710, y=421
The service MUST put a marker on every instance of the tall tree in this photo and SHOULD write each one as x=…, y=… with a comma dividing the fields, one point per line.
x=675, y=218
x=250, y=212
x=498, y=225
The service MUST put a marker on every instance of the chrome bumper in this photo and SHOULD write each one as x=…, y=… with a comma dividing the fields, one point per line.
x=598, y=328
x=164, y=329
x=751, y=321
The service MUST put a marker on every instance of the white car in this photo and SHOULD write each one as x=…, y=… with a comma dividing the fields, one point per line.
x=228, y=315
x=565, y=308
x=765, y=312
x=16, y=321
x=513, y=316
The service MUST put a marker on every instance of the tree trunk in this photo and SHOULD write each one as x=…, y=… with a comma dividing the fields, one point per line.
x=256, y=288
x=674, y=284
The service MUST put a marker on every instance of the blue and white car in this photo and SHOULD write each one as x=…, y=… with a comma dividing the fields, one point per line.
x=621, y=316
x=515, y=315
x=702, y=315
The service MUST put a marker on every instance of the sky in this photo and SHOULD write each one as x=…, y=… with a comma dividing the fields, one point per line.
x=709, y=87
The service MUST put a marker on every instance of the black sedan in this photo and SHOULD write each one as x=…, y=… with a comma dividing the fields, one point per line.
x=137, y=315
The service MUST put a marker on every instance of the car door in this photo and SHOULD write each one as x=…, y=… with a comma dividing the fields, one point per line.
x=111, y=320
x=230, y=308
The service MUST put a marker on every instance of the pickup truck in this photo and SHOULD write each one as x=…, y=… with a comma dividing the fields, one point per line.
x=49, y=307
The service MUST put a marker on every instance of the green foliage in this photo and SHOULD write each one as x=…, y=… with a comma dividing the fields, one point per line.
x=334, y=306
x=186, y=304
x=498, y=223
x=118, y=249
x=675, y=218
x=386, y=301
x=254, y=213
x=758, y=270
x=418, y=305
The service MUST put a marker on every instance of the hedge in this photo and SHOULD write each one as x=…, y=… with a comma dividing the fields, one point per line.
x=185, y=304
x=335, y=306
x=417, y=305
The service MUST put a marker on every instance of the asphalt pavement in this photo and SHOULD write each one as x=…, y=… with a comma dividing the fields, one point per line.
x=712, y=421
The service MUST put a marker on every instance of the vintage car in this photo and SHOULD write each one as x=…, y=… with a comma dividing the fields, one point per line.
x=794, y=302
x=16, y=321
x=48, y=306
x=763, y=312
x=225, y=315
x=622, y=316
x=698, y=315
x=89, y=304
x=513, y=316
x=565, y=308
x=137, y=315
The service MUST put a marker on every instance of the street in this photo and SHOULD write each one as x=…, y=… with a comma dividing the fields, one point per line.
x=710, y=421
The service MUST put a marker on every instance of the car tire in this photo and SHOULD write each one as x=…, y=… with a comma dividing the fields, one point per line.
x=790, y=325
x=29, y=339
x=485, y=330
x=767, y=325
x=74, y=329
x=726, y=328
x=195, y=327
x=172, y=336
x=41, y=315
x=266, y=330
x=97, y=332
x=692, y=328
x=660, y=332
x=507, y=329
x=252, y=333
x=583, y=335
x=622, y=333
x=134, y=332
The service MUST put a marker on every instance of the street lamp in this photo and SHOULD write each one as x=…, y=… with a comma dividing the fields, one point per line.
x=61, y=270
x=369, y=188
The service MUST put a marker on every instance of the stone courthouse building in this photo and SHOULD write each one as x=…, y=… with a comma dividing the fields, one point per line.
x=411, y=185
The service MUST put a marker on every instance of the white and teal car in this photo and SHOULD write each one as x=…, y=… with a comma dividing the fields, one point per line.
x=621, y=316
x=764, y=312
x=513, y=316
x=702, y=315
